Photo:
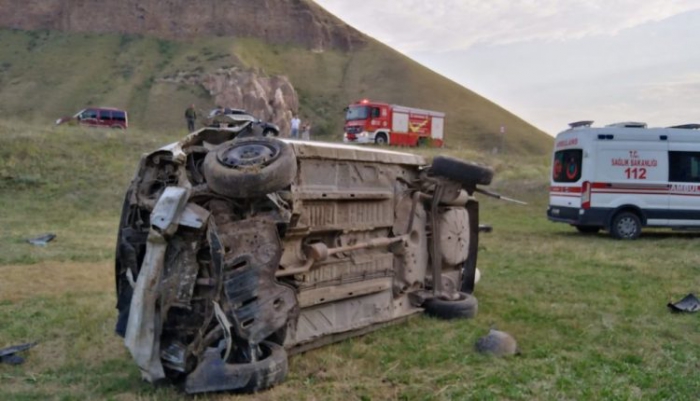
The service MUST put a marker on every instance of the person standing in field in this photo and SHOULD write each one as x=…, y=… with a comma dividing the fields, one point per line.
x=190, y=116
x=306, y=132
x=295, y=126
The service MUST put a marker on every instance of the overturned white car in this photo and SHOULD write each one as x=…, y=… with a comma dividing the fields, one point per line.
x=236, y=250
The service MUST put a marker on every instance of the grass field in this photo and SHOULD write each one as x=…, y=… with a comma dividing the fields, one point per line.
x=589, y=312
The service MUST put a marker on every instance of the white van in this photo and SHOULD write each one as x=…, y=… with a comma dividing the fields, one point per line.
x=625, y=176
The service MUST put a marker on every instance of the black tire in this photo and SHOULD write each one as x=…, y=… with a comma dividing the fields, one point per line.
x=214, y=375
x=381, y=139
x=626, y=225
x=588, y=229
x=465, y=307
x=250, y=167
x=463, y=172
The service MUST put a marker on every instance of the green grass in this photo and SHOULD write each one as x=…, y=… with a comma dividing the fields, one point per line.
x=588, y=312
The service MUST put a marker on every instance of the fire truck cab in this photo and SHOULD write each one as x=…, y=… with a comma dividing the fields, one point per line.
x=389, y=124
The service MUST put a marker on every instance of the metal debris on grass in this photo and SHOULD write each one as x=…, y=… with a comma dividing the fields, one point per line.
x=690, y=303
x=42, y=240
x=8, y=355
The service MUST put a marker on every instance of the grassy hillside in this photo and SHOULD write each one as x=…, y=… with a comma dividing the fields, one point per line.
x=589, y=312
x=44, y=75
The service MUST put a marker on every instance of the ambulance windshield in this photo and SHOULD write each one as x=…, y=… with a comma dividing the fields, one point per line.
x=567, y=165
x=356, y=113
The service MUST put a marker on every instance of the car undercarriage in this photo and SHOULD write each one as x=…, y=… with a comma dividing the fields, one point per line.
x=236, y=250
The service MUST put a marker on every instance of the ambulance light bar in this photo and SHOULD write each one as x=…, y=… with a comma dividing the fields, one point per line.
x=579, y=124
x=628, y=124
x=687, y=126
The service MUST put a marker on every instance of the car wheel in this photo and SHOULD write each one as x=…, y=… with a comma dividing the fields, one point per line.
x=626, y=225
x=213, y=374
x=381, y=139
x=463, y=172
x=588, y=229
x=464, y=307
x=250, y=167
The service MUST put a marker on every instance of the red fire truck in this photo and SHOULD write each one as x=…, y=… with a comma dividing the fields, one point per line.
x=389, y=124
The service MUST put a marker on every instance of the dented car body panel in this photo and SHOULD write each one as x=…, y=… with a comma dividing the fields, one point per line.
x=214, y=289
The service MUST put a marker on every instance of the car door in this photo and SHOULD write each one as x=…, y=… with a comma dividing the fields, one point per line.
x=104, y=118
x=89, y=117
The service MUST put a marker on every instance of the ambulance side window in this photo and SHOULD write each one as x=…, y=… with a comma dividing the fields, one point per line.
x=684, y=166
x=567, y=165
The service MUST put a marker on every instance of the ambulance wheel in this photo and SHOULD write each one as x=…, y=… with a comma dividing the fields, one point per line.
x=588, y=229
x=626, y=225
x=381, y=139
x=463, y=172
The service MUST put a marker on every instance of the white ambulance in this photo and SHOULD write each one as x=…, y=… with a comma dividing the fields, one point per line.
x=625, y=176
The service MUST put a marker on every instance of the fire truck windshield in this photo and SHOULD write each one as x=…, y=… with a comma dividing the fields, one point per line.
x=357, y=113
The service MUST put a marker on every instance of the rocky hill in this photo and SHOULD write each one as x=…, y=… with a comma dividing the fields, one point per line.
x=272, y=57
x=274, y=21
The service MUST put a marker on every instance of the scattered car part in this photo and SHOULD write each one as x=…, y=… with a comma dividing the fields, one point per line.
x=229, y=244
x=42, y=240
x=8, y=355
x=485, y=228
x=498, y=343
x=689, y=303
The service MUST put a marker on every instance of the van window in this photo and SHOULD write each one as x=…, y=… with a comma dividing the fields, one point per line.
x=105, y=115
x=89, y=113
x=567, y=165
x=119, y=116
x=684, y=166
x=375, y=112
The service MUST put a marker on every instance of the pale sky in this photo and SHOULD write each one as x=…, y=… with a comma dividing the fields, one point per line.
x=552, y=62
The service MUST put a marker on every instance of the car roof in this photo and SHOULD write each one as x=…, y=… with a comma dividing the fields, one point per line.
x=104, y=108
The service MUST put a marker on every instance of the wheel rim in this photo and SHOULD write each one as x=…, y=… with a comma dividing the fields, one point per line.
x=627, y=227
x=250, y=154
x=381, y=140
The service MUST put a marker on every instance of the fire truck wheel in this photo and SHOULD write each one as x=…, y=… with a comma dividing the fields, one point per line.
x=250, y=167
x=626, y=225
x=463, y=172
x=464, y=307
x=381, y=139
